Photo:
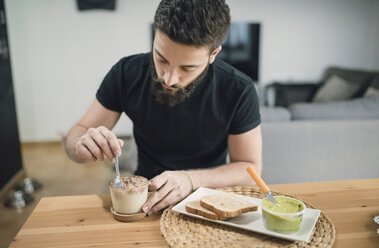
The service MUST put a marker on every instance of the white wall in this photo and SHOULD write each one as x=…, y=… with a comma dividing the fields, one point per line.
x=300, y=38
x=60, y=55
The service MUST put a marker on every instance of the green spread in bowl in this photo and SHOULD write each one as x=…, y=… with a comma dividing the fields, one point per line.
x=284, y=217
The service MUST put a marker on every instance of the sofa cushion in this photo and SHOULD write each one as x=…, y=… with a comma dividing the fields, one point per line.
x=277, y=114
x=336, y=88
x=358, y=76
x=359, y=108
x=371, y=91
x=373, y=88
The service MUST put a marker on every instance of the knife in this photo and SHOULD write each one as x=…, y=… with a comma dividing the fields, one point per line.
x=258, y=180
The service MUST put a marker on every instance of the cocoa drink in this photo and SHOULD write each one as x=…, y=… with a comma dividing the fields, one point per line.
x=130, y=198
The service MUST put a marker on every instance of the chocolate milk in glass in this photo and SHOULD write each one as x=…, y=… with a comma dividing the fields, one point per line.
x=130, y=198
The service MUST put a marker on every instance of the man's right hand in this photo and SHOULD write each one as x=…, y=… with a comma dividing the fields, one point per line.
x=97, y=144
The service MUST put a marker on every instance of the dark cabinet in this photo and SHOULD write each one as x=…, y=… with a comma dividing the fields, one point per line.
x=10, y=162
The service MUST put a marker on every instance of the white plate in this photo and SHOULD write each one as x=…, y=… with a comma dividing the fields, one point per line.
x=253, y=221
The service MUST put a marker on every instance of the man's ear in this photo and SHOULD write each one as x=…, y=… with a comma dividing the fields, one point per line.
x=214, y=53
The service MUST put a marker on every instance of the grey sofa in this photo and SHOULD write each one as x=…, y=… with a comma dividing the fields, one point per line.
x=318, y=150
x=322, y=141
x=286, y=93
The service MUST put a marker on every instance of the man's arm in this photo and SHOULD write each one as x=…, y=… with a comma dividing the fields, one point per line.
x=244, y=150
x=91, y=139
x=172, y=186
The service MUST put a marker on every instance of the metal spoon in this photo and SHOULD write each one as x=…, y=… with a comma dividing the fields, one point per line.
x=117, y=182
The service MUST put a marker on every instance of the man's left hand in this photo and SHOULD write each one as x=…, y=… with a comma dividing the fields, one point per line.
x=171, y=187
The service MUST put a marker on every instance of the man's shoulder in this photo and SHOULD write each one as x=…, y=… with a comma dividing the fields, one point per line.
x=231, y=76
x=140, y=60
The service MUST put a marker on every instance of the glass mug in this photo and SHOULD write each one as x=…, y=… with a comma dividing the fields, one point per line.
x=130, y=198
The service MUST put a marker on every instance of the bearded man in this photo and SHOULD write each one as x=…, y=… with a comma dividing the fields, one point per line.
x=189, y=109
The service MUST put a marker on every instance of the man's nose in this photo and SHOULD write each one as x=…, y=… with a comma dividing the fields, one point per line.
x=170, y=78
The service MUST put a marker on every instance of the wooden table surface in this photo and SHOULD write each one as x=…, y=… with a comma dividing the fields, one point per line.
x=85, y=221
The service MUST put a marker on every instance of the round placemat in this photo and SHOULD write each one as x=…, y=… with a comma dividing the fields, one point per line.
x=181, y=230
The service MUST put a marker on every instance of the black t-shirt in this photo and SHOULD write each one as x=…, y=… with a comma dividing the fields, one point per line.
x=191, y=134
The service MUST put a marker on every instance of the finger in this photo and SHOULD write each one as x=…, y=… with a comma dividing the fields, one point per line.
x=171, y=198
x=83, y=152
x=121, y=142
x=112, y=140
x=101, y=142
x=157, y=182
x=93, y=148
x=157, y=197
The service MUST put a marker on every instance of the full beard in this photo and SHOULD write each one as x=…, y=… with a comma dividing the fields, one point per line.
x=171, y=97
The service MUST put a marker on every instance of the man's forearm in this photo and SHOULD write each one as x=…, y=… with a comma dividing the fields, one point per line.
x=70, y=140
x=233, y=174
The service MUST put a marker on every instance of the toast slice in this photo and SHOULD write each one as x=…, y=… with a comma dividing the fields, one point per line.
x=194, y=207
x=227, y=205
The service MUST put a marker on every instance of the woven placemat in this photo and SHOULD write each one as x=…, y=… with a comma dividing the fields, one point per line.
x=181, y=230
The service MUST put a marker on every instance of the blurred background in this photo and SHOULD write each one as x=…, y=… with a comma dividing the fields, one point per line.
x=60, y=55
x=56, y=55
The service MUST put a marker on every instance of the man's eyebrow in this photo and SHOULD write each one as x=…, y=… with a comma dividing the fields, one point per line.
x=160, y=55
x=192, y=66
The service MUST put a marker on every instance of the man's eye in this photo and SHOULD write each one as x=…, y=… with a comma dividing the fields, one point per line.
x=188, y=69
x=162, y=61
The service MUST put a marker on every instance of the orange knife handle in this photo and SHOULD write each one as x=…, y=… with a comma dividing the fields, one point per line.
x=257, y=179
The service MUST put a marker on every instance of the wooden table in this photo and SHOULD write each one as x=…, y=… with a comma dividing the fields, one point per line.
x=84, y=221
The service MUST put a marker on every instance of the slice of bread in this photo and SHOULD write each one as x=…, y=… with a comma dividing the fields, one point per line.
x=227, y=205
x=194, y=207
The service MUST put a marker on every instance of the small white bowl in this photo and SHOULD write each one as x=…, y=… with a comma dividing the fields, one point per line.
x=283, y=222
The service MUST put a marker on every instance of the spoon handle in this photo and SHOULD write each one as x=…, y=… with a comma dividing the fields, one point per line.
x=262, y=185
x=258, y=180
x=117, y=168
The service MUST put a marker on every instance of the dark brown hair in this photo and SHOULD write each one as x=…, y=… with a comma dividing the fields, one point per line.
x=194, y=22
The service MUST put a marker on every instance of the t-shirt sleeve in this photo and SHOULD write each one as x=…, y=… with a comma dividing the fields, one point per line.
x=246, y=116
x=109, y=92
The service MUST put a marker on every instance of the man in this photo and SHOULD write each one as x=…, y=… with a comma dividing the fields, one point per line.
x=188, y=109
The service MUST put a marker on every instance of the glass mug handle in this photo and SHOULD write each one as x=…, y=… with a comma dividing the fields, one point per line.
x=150, y=193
